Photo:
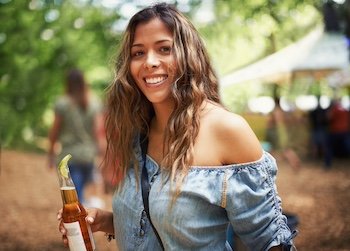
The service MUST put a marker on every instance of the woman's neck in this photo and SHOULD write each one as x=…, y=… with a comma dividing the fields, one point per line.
x=161, y=117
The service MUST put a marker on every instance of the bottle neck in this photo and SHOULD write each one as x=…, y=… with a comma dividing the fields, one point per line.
x=69, y=195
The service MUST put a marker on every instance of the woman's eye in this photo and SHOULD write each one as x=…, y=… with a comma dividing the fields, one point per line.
x=137, y=53
x=165, y=49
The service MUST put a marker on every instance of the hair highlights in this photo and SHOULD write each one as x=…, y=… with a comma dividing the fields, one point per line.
x=129, y=112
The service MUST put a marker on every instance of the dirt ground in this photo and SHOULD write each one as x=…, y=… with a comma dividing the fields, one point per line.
x=30, y=198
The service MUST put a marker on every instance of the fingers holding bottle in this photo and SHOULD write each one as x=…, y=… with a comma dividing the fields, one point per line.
x=61, y=228
x=100, y=220
x=92, y=219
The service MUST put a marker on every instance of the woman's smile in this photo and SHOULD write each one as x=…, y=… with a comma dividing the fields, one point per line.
x=155, y=80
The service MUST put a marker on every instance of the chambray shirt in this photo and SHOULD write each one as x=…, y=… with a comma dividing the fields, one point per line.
x=244, y=195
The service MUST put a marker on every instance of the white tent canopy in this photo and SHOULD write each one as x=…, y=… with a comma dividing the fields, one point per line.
x=316, y=55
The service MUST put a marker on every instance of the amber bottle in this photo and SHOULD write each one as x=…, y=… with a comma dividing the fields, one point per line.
x=79, y=234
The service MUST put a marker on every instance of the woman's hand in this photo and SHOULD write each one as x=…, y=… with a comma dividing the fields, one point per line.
x=61, y=228
x=95, y=219
x=51, y=161
x=98, y=219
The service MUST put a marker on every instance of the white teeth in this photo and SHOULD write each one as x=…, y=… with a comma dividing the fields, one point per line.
x=154, y=80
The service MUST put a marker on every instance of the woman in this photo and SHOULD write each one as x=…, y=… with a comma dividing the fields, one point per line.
x=76, y=125
x=205, y=165
x=277, y=134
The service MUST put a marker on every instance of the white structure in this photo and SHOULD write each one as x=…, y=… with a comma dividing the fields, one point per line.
x=316, y=55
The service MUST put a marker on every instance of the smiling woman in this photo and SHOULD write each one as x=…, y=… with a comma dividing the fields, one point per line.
x=190, y=167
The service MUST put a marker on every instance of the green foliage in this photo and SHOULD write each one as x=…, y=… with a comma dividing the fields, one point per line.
x=245, y=31
x=41, y=39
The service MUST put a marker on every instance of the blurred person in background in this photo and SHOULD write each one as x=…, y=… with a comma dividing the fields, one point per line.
x=319, y=123
x=339, y=129
x=278, y=135
x=77, y=125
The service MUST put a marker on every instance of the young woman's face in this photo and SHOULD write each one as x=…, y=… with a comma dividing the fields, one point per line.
x=153, y=65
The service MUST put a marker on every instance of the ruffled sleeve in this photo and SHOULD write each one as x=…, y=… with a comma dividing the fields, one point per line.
x=254, y=207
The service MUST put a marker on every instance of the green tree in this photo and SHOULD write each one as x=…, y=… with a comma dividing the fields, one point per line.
x=40, y=40
x=245, y=31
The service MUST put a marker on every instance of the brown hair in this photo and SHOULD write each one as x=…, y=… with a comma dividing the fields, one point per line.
x=129, y=112
x=76, y=88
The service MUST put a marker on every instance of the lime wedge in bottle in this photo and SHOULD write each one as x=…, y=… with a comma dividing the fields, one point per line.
x=63, y=166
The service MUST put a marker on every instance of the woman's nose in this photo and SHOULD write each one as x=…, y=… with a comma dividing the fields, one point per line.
x=152, y=60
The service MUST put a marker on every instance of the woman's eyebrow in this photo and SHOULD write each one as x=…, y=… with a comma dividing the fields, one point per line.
x=157, y=42
x=137, y=45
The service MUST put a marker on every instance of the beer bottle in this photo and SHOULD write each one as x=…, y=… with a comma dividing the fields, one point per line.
x=78, y=230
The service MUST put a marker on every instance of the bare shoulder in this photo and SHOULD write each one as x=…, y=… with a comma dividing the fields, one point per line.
x=232, y=136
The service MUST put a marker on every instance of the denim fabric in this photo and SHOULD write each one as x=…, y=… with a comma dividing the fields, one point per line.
x=211, y=197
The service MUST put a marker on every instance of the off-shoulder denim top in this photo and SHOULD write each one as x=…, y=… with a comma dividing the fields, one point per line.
x=244, y=195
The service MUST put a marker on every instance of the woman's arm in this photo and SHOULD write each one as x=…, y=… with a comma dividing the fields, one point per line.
x=240, y=145
x=53, y=137
x=99, y=133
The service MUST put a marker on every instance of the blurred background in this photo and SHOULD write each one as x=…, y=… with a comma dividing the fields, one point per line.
x=296, y=50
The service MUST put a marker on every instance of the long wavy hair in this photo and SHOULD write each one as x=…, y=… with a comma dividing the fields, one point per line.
x=129, y=112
